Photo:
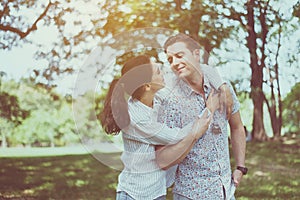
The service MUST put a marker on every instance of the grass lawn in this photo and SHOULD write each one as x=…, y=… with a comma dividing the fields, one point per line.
x=274, y=173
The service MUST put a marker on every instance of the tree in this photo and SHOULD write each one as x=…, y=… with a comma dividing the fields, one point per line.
x=10, y=114
x=6, y=128
x=85, y=110
x=2, y=74
x=75, y=36
x=14, y=26
x=291, y=107
x=18, y=27
x=208, y=22
x=51, y=127
x=296, y=10
x=265, y=27
x=204, y=24
x=50, y=122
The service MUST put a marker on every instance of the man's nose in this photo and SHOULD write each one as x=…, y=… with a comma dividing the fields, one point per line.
x=175, y=62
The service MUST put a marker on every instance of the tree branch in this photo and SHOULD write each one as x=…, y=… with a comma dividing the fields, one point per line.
x=5, y=9
x=264, y=31
x=178, y=5
x=29, y=30
x=233, y=15
x=266, y=101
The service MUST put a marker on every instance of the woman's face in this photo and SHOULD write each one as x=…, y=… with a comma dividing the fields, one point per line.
x=157, y=80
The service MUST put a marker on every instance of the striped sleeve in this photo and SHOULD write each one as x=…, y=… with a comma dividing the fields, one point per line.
x=144, y=126
x=213, y=76
x=160, y=134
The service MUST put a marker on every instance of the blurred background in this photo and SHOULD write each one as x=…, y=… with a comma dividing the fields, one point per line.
x=46, y=45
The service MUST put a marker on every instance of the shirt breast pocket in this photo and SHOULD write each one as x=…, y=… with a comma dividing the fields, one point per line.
x=215, y=128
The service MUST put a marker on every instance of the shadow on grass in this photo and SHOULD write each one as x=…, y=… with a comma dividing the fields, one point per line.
x=274, y=173
x=61, y=177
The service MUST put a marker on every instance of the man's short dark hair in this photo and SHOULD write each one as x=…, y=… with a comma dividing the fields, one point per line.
x=190, y=43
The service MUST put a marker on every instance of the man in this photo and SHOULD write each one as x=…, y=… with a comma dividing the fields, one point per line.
x=205, y=173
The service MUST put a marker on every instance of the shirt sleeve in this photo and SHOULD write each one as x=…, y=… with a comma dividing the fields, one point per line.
x=236, y=103
x=160, y=134
x=213, y=76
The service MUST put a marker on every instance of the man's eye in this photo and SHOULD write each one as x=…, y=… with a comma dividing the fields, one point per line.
x=170, y=60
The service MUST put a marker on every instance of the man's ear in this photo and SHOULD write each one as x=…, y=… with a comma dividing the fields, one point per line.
x=196, y=54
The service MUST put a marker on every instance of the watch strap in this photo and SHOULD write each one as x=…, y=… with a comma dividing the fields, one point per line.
x=244, y=170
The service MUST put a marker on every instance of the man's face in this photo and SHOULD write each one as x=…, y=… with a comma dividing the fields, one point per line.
x=183, y=62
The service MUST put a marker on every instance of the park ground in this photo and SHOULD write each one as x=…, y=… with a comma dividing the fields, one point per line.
x=274, y=173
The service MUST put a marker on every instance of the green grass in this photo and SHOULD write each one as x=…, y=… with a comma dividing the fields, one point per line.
x=42, y=151
x=61, y=177
x=274, y=173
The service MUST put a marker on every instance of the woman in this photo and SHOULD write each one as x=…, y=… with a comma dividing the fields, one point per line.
x=136, y=117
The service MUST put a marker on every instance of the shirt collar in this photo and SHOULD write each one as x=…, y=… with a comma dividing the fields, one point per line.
x=187, y=90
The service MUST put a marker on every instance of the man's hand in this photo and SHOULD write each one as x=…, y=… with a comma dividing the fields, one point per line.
x=226, y=101
x=237, y=177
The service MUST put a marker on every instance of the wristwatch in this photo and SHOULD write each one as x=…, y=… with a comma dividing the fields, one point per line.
x=244, y=170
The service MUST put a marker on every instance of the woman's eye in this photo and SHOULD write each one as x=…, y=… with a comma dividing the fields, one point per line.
x=179, y=55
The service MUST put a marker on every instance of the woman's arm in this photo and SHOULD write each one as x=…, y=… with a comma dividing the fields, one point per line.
x=146, y=129
x=226, y=101
x=158, y=134
x=144, y=126
x=169, y=155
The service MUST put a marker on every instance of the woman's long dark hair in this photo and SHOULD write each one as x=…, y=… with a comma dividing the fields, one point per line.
x=114, y=116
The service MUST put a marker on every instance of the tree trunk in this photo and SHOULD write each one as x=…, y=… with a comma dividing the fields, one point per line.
x=275, y=109
x=279, y=121
x=4, y=142
x=52, y=145
x=273, y=114
x=280, y=113
x=258, y=131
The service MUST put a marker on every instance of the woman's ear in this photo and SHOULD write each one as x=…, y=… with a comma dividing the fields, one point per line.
x=147, y=87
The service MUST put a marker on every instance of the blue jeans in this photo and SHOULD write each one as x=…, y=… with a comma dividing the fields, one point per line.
x=124, y=196
x=180, y=197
